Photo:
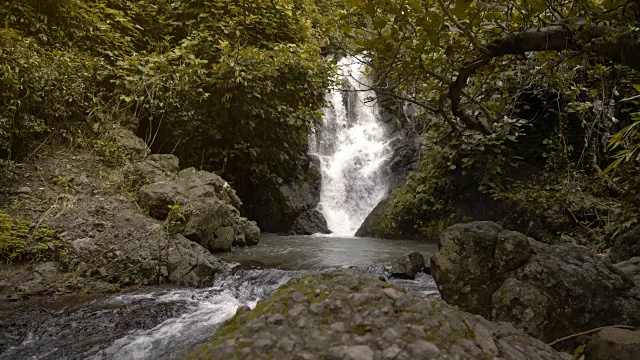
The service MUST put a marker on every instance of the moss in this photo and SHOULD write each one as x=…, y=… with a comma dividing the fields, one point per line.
x=62, y=181
x=22, y=240
x=359, y=330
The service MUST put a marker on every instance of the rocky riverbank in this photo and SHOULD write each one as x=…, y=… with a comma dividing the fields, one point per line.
x=115, y=217
x=514, y=295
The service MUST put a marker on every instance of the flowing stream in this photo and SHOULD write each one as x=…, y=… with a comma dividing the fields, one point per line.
x=157, y=323
x=352, y=145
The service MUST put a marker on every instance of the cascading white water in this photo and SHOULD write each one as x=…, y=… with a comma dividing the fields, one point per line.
x=352, y=145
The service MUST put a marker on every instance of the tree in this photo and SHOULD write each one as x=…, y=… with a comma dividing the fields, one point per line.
x=462, y=48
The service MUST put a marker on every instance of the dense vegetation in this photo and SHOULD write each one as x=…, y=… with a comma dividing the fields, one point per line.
x=520, y=102
x=529, y=109
x=229, y=86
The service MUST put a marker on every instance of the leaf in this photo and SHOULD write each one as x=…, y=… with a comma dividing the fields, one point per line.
x=637, y=87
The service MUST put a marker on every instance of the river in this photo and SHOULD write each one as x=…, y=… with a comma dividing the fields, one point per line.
x=165, y=322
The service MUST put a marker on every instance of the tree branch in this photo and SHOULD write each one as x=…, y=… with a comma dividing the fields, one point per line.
x=624, y=50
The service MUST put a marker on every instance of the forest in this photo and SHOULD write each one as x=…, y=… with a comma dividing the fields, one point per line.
x=138, y=138
x=530, y=105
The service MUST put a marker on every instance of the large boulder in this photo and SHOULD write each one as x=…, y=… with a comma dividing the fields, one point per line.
x=408, y=266
x=201, y=206
x=376, y=226
x=118, y=245
x=294, y=208
x=626, y=247
x=547, y=291
x=613, y=344
x=345, y=315
x=310, y=222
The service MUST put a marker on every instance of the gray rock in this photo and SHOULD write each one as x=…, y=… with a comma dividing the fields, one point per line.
x=206, y=209
x=310, y=222
x=358, y=352
x=541, y=289
x=165, y=162
x=462, y=266
x=189, y=263
x=363, y=331
x=613, y=344
x=135, y=147
x=131, y=248
x=24, y=190
x=408, y=266
x=626, y=247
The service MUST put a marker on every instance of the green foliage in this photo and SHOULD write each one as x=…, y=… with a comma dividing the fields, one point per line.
x=233, y=87
x=20, y=240
x=453, y=163
x=43, y=93
x=63, y=181
x=111, y=151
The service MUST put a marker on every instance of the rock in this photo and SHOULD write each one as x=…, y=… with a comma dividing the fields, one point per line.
x=462, y=266
x=310, y=222
x=205, y=208
x=165, y=162
x=631, y=267
x=358, y=352
x=190, y=263
x=24, y=190
x=131, y=248
x=135, y=147
x=542, y=289
x=210, y=223
x=408, y=266
x=414, y=328
x=613, y=344
x=626, y=247
x=155, y=168
x=293, y=209
x=375, y=226
x=250, y=230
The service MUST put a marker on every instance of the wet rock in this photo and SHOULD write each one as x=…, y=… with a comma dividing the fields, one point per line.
x=408, y=266
x=613, y=344
x=626, y=247
x=414, y=328
x=542, y=289
x=310, y=222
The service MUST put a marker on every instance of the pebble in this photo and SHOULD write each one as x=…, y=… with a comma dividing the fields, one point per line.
x=358, y=352
x=338, y=327
x=391, y=352
x=298, y=297
x=276, y=319
x=392, y=293
x=25, y=190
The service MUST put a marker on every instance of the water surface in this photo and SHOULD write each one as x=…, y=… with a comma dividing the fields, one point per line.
x=322, y=252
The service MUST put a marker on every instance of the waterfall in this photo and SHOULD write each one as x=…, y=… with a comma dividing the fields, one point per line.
x=352, y=145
